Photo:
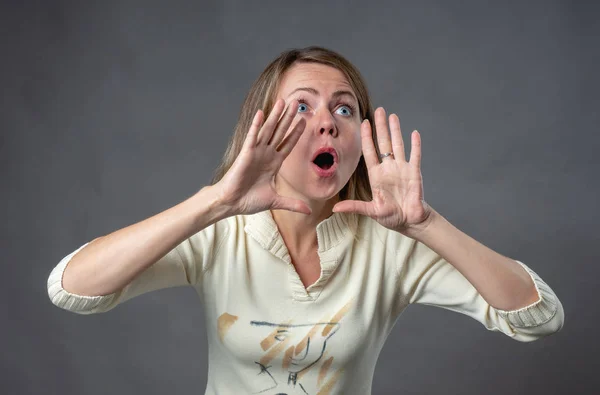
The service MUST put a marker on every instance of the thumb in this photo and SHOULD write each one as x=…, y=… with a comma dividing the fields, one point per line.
x=285, y=203
x=352, y=206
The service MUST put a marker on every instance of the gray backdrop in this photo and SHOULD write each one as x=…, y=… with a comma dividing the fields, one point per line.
x=114, y=111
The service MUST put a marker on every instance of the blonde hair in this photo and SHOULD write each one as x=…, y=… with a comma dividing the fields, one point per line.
x=263, y=94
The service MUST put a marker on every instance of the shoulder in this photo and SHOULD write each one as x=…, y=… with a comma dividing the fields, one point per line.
x=370, y=231
x=216, y=233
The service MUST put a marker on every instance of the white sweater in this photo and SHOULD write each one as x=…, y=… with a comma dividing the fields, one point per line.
x=269, y=334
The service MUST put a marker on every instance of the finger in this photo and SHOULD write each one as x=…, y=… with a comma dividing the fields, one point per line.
x=353, y=206
x=285, y=203
x=265, y=132
x=397, y=142
x=415, y=149
x=383, y=133
x=284, y=124
x=368, y=147
x=292, y=138
x=253, y=131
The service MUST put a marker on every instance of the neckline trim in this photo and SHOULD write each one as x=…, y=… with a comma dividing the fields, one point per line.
x=331, y=232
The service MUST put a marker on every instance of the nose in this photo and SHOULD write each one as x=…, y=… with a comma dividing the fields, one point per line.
x=326, y=123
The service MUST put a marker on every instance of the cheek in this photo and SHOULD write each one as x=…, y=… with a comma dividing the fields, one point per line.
x=290, y=164
x=354, y=146
x=353, y=152
x=300, y=151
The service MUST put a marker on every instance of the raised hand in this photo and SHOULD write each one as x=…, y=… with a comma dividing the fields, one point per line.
x=397, y=185
x=249, y=185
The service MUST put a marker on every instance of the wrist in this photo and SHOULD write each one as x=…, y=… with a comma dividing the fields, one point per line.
x=419, y=231
x=210, y=202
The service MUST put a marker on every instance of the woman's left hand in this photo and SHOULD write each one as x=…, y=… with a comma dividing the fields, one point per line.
x=397, y=185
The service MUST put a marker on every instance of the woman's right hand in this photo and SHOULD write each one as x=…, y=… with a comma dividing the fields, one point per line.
x=249, y=185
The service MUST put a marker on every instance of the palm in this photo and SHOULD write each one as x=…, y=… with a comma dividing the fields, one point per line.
x=397, y=194
x=252, y=180
x=397, y=185
x=249, y=185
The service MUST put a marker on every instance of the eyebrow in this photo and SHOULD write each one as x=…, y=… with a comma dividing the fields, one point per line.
x=316, y=92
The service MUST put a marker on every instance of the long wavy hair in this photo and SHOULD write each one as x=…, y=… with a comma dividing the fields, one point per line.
x=263, y=93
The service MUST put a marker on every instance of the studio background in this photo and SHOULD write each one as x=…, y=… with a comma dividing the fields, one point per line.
x=115, y=111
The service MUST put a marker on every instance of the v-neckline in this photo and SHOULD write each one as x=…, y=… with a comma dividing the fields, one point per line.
x=331, y=233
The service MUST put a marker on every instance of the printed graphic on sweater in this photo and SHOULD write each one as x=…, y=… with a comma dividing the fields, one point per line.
x=294, y=356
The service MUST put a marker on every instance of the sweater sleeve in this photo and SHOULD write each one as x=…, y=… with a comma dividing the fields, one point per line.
x=426, y=278
x=181, y=266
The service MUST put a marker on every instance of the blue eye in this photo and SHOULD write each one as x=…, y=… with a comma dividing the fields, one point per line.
x=345, y=109
x=348, y=110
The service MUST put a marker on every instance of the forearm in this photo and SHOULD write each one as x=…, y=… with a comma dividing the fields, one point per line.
x=501, y=281
x=110, y=262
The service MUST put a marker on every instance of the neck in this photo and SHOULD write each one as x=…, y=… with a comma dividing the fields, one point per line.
x=299, y=231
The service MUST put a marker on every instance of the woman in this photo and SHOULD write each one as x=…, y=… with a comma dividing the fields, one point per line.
x=304, y=251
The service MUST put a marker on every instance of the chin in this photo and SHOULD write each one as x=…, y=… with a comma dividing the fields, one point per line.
x=314, y=193
x=309, y=190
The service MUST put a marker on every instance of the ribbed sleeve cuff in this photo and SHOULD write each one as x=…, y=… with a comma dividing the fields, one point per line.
x=80, y=304
x=537, y=313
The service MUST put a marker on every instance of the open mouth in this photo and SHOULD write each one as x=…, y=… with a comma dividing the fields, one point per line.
x=324, y=160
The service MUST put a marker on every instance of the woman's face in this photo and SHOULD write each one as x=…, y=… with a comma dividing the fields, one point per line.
x=330, y=108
